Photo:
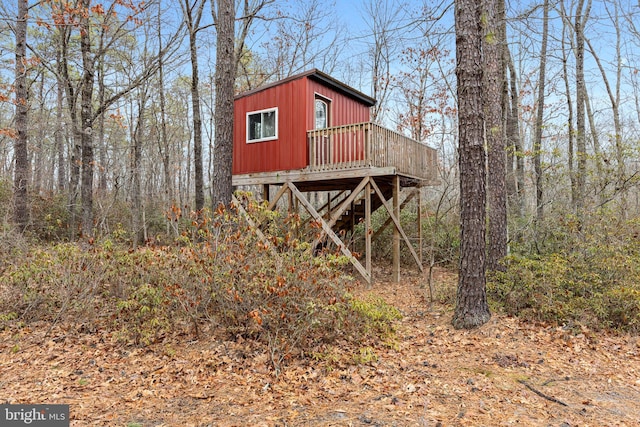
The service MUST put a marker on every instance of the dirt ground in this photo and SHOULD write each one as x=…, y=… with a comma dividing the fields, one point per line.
x=504, y=373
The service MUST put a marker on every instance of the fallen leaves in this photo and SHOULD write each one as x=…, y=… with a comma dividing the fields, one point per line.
x=432, y=375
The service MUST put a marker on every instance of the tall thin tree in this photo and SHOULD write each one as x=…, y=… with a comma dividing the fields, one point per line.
x=537, y=140
x=567, y=33
x=515, y=153
x=163, y=145
x=226, y=68
x=86, y=119
x=193, y=15
x=471, y=304
x=493, y=83
x=21, y=172
x=582, y=15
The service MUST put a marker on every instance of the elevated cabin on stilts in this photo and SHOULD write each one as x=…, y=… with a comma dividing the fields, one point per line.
x=312, y=133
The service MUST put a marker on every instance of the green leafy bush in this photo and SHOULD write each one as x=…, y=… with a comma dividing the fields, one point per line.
x=377, y=312
x=146, y=312
x=594, y=279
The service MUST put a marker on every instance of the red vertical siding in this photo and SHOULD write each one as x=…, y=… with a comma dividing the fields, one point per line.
x=344, y=110
x=285, y=153
x=294, y=100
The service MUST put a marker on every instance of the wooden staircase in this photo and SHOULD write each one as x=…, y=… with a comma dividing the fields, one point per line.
x=356, y=212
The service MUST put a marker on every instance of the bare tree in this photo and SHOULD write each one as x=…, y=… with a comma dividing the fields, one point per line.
x=306, y=37
x=251, y=11
x=384, y=25
x=86, y=119
x=193, y=14
x=582, y=16
x=163, y=144
x=493, y=83
x=424, y=89
x=537, y=141
x=471, y=304
x=59, y=132
x=114, y=28
x=614, y=96
x=137, y=137
x=21, y=172
x=515, y=154
x=570, y=116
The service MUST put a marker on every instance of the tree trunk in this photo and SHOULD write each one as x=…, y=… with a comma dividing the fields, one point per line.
x=537, y=141
x=193, y=26
x=37, y=164
x=614, y=98
x=224, y=82
x=471, y=305
x=510, y=174
x=64, y=32
x=86, y=116
x=21, y=172
x=516, y=160
x=570, y=128
x=102, y=149
x=59, y=135
x=493, y=83
x=581, y=89
x=163, y=145
x=601, y=177
x=136, y=197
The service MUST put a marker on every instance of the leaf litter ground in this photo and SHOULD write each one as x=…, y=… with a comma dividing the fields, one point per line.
x=504, y=373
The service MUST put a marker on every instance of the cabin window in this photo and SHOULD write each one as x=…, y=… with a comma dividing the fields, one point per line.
x=322, y=114
x=262, y=125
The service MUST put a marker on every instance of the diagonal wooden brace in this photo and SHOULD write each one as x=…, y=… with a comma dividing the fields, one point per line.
x=397, y=223
x=329, y=232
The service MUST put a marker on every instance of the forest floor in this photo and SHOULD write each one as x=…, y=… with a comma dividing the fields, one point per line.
x=506, y=372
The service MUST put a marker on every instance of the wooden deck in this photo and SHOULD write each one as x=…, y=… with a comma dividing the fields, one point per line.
x=368, y=166
x=370, y=145
x=355, y=151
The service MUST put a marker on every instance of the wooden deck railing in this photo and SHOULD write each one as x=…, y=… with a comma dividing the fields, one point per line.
x=368, y=144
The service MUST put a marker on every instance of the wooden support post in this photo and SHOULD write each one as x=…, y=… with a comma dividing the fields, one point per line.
x=367, y=228
x=419, y=223
x=396, y=230
x=352, y=226
x=296, y=214
x=290, y=209
x=396, y=222
x=265, y=192
x=327, y=229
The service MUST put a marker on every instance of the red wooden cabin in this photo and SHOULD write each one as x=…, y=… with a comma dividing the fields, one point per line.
x=271, y=122
x=310, y=132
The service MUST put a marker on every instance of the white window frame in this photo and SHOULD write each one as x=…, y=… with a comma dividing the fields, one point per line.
x=326, y=113
x=327, y=101
x=267, y=138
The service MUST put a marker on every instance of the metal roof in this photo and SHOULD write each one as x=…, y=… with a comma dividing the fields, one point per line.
x=324, y=78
